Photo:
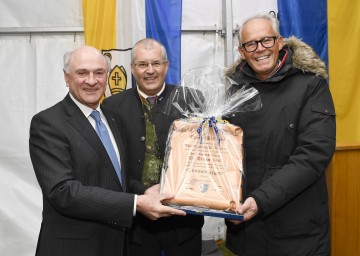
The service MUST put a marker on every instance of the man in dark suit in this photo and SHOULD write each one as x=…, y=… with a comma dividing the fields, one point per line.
x=85, y=208
x=147, y=130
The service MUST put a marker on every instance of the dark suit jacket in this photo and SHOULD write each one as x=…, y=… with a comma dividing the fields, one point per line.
x=85, y=209
x=128, y=105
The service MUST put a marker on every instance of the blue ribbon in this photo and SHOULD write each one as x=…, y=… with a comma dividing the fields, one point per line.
x=212, y=123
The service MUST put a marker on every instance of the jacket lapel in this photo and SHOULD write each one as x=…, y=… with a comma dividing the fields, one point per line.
x=119, y=141
x=77, y=119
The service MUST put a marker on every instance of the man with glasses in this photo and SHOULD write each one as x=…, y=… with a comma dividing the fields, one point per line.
x=147, y=130
x=288, y=144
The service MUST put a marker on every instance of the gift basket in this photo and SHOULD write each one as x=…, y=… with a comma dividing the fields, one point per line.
x=203, y=163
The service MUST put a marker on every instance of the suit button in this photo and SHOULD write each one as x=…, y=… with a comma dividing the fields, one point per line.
x=142, y=139
x=292, y=126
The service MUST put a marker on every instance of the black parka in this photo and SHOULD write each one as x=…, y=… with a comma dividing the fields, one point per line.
x=288, y=144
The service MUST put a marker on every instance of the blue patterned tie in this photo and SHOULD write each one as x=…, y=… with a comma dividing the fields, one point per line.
x=105, y=138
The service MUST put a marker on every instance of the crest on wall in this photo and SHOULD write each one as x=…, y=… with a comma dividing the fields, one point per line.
x=120, y=71
x=117, y=79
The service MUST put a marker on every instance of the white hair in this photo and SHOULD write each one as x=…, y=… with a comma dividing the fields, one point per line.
x=264, y=16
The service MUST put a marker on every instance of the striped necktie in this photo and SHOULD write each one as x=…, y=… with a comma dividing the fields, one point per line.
x=105, y=138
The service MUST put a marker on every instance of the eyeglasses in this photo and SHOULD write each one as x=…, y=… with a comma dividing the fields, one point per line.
x=266, y=42
x=145, y=65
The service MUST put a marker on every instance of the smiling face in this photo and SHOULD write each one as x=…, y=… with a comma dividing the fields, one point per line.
x=87, y=76
x=263, y=60
x=149, y=79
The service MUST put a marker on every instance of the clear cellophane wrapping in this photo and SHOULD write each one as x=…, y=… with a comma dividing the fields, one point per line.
x=203, y=164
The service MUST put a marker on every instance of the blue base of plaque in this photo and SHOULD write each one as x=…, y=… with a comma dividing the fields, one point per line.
x=208, y=212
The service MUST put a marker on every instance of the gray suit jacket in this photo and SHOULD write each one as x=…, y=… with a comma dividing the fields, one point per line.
x=85, y=209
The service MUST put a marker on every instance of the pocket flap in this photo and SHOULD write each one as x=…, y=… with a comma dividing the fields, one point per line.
x=323, y=109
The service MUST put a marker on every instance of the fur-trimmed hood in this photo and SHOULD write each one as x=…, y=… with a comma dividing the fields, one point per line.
x=304, y=58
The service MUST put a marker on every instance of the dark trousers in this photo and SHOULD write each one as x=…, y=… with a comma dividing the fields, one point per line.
x=165, y=243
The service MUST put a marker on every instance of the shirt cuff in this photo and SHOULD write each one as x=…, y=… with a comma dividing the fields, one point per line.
x=134, y=210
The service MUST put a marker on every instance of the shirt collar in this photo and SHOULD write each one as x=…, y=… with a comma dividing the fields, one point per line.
x=85, y=109
x=144, y=96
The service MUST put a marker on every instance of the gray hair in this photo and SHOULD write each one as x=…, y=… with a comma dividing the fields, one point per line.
x=265, y=16
x=67, y=57
x=148, y=43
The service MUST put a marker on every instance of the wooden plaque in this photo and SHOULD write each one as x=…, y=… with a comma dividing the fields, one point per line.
x=207, y=172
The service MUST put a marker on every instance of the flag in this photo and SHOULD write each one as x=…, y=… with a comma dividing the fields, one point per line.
x=99, y=23
x=307, y=20
x=163, y=23
x=344, y=54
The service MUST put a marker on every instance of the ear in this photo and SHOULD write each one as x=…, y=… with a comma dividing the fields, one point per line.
x=132, y=68
x=66, y=77
x=241, y=51
x=280, y=42
x=166, y=66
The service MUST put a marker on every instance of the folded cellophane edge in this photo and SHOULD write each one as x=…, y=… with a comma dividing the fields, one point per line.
x=204, y=172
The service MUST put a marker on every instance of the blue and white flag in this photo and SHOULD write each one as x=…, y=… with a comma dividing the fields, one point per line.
x=163, y=23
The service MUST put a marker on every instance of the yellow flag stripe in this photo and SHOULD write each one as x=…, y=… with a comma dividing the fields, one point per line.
x=344, y=54
x=100, y=23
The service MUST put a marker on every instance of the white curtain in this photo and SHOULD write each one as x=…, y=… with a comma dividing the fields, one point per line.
x=31, y=80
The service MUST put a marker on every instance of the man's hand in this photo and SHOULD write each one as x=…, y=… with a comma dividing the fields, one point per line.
x=153, y=190
x=150, y=206
x=248, y=209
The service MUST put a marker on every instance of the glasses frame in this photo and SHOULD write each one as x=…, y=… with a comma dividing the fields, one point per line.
x=261, y=42
x=149, y=63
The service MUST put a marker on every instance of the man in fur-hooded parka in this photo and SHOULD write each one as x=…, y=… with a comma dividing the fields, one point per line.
x=288, y=145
